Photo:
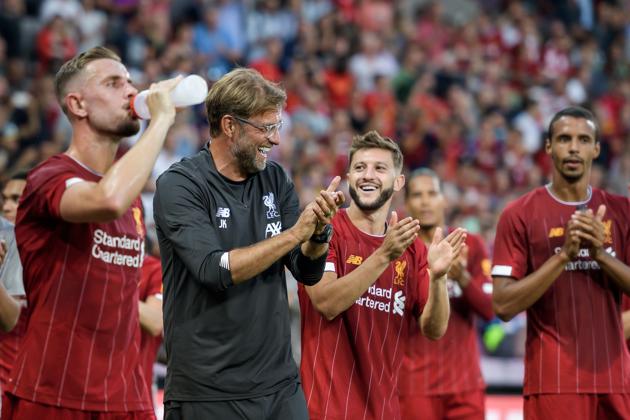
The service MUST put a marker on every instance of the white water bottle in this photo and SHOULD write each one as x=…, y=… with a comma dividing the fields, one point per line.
x=191, y=90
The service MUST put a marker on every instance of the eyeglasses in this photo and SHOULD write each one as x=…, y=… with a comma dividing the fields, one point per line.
x=269, y=130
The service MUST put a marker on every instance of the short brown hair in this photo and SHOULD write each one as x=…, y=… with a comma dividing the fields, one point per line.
x=373, y=140
x=71, y=68
x=242, y=92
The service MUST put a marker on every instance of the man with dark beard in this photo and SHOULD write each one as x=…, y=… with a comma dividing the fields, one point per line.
x=228, y=224
x=561, y=253
x=80, y=237
x=379, y=281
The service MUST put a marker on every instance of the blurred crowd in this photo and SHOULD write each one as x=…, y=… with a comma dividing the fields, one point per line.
x=466, y=87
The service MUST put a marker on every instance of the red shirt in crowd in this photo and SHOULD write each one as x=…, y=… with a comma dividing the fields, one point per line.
x=451, y=364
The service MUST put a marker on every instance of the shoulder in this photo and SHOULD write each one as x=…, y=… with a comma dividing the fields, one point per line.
x=518, y=208
x=189, y=168
x=276, y=172
x=612, y=200
x=52, y=166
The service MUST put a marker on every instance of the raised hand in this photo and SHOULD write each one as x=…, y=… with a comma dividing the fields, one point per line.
x=328, y=202
x=443, y=251
x=400, y=234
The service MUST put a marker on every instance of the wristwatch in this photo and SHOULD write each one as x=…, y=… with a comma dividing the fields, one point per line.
x=324, y=237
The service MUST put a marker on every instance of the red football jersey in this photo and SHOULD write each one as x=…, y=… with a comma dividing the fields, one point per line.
x=81, y=347
x=150, y=285
x=9, y=344
x=625, y=306
x=350, y=365
x=451, y=364
x=575, y=340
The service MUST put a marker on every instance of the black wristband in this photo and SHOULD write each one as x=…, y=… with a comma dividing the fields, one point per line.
x=324, y=237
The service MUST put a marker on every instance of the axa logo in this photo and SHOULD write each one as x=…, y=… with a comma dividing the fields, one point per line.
x=556, y=232
x=273, y=229
x=399, y=303
x=354, y=260
x=399, y=267
x=268, y=201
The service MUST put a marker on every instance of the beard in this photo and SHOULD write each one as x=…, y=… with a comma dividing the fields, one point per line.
x=377, y=204
x=570, y=177
x=246, y=154
x=126, y=128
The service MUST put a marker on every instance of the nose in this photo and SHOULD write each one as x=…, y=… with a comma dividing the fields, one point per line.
x=573, y=146
x=131, y=90
x=274, y=138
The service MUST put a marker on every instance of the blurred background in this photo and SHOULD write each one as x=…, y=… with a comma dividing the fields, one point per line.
x=465, y=87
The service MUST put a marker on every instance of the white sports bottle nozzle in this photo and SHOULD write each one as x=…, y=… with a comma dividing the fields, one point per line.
x=191, y=90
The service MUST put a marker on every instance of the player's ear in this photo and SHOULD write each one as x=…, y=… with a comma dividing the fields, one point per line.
x=548, y=145
x=399, y=182
x=597, y=149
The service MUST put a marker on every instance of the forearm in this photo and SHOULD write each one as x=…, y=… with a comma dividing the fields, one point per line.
x=625, y=321
x=479, y=301
x=617, y=270
x=434, y=319
x=250, y=261
x=509, y=298
x=334, y=296
x=150, y=318
x=9, y=310
x=124, y=181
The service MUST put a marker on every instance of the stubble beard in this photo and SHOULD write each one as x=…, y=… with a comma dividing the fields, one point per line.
x=377, y=204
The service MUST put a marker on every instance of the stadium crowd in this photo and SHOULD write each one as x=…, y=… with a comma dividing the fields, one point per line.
x=466, y=87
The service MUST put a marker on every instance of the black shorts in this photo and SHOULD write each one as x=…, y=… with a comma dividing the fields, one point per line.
x=287, y=404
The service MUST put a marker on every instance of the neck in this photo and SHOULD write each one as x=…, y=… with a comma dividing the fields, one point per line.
x=426, y=234
x=570, y=191
x=373, y=222
x=96, y=152
x=224, y=160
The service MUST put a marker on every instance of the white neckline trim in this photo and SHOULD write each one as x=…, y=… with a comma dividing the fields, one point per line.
x=589, y=195
x=86, y=167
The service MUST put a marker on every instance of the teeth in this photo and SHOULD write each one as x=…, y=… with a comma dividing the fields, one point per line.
x=264, y=150
x=368, y=188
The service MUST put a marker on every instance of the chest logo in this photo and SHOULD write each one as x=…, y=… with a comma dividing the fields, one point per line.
x=273, y=229
x=607, y=231
x=399, y=303
x=137, y=217
x=268, y=201
x=354, y=260
x=223, y=212
x=399, y=267
x=556, y=232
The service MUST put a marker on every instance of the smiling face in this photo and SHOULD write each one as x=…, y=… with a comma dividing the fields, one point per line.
x=373, y=178
x=251, y=145
x=573, y=147
x=102, y=95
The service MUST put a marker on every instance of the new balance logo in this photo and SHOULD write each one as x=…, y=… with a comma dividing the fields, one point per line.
x=556, y=232
x=354, y=260
x=399, y=303
x=273, y=229
x=223, y=212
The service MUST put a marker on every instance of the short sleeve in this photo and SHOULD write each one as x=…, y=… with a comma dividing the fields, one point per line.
x=510, y=246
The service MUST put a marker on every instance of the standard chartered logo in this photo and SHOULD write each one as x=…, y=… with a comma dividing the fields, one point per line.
x=399, y=303
x=103, y=241
x=368, y=301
